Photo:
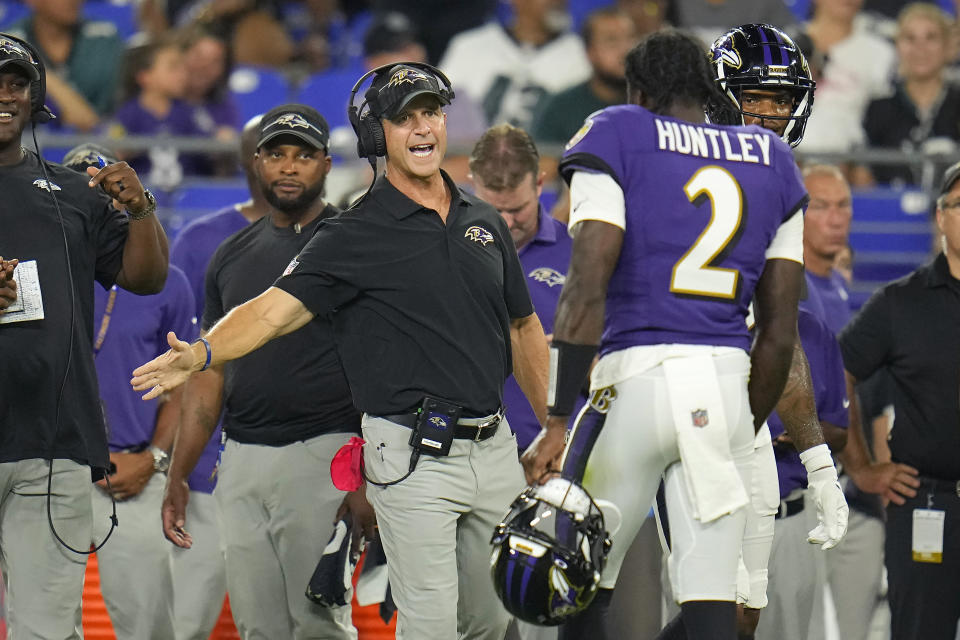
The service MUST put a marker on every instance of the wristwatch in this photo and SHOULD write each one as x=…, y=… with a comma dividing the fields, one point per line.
x=161, y=459
x=147, y=210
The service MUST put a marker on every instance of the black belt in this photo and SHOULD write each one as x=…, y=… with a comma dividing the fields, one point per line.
x=937, y=485
x=475, y=429
x=789, y=508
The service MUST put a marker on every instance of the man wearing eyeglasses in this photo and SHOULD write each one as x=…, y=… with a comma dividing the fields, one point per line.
x=911, y=327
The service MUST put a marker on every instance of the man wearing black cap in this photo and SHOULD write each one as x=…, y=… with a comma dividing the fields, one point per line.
x=911, y=327
x=432, y=315
x=59, y=233
x=288, y=407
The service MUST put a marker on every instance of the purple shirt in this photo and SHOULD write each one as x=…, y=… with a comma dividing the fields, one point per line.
x=834, y=299
x=191, y=251
x=162, y=164
x=195, y=244
x=701, y=200
x=136, y=332
x=829, y=391
x=545, y=260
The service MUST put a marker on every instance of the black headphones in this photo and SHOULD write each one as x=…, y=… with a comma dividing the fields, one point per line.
x=39, y=112
x=371, y=140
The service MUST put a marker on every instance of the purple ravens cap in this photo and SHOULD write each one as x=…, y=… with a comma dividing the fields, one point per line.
x=14, y=54
x=393, y=90
x=296, y=120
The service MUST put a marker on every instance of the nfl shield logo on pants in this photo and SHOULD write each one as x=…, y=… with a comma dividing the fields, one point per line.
x=699, y=417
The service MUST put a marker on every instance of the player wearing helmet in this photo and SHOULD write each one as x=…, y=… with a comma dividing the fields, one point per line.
x=766, y=77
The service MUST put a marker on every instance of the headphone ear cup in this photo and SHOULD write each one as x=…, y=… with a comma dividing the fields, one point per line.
x=371, y=140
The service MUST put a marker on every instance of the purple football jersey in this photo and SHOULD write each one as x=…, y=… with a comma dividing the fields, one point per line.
x=829, y=392
x=703, y=203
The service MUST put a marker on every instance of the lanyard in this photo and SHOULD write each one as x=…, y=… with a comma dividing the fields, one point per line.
x=105, y=322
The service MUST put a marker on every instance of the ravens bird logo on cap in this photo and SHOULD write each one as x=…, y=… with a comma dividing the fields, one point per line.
x=407, y=75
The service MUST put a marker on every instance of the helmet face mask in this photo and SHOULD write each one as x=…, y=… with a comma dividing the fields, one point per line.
x=549, y=551
x=762, y=57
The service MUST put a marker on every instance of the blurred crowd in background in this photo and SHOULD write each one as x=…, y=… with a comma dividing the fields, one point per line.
x=886, y=72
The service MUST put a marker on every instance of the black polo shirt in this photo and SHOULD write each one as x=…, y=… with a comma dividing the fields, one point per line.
x=422, y=307
x=912, y=327
x=292, y=388
x=37, y=357
x=893, y=122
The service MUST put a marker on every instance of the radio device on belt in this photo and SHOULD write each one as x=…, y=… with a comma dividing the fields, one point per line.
x=432, y=434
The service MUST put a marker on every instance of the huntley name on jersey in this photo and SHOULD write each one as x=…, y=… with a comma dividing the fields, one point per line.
x=706, y=142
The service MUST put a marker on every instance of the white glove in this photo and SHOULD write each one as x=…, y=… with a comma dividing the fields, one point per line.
x=832, y=510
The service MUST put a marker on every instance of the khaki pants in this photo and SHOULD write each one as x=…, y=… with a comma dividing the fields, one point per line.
x=44, y=580
x=277, y=507
x=135, y=564
x=436, y=527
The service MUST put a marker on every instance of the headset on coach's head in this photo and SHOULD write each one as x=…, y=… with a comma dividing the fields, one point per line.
x=15, y=48
x=371, y=140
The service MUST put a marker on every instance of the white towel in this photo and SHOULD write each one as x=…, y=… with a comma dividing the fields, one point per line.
x=712, y=479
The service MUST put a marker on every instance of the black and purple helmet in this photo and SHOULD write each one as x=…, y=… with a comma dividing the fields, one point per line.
x=761, y=56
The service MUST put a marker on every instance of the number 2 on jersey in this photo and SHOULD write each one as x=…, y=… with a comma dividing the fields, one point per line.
x=693, y=274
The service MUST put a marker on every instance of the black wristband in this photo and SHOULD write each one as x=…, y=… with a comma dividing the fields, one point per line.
x=569, y=366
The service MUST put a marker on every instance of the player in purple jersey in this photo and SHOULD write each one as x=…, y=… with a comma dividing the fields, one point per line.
x=768, y=82
x=199, y=576
x=663, y=282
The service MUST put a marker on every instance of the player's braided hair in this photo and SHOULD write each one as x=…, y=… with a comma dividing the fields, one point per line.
x=671, y=68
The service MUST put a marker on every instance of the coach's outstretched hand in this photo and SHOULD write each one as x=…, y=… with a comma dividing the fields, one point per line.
x=166, y=372
x=832, y=510
x=546, y=451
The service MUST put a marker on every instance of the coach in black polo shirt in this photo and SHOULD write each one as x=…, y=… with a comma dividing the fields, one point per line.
x=912, y=328
x=430, y=301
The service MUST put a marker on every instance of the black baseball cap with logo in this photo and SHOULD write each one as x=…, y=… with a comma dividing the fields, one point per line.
x=393, y=90
x=14, y=54
x=296, y=120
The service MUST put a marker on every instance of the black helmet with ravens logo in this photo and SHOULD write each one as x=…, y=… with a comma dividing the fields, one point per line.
x=761, y=56
x=548, y=552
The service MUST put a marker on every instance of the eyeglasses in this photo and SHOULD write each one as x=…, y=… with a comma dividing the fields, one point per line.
x=950, y=205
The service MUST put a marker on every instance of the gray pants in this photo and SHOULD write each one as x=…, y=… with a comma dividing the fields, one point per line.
x=436, y=527
x=854, y=568
x=277, y=507
x=793, y=578
x=199, y=573
x=134, y=565
x=44, y=580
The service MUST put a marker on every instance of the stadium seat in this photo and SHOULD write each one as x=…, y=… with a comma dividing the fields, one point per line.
x=11, y=12
x=890, y=236
x=124, y=16
x=328, y=93
x=258, y=90
x=210, y=197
